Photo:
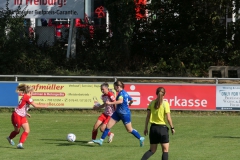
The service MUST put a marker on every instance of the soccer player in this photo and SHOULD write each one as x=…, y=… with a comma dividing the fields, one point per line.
x=19, y=115
x=106, y=115
x=122, y=113
x=157, y=112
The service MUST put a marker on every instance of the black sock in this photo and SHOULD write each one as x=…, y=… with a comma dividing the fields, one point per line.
x=147, y=155
x=165, y=156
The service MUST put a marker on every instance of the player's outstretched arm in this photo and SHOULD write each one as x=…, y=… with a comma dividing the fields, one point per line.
x=39, y=105
x=99, y=107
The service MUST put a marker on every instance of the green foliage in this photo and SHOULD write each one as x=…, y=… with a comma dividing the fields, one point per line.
x=179, y=38
x=188, y=35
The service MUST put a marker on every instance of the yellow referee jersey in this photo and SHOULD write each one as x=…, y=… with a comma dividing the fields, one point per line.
x=158, y=115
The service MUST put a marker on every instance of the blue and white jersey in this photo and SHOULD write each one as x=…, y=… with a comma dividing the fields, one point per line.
x=123, y=107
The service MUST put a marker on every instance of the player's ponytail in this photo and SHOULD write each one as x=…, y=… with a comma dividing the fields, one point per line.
x=23, y=88
x=160, y=92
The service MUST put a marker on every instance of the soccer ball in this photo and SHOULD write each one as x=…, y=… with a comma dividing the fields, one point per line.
x=71, y=137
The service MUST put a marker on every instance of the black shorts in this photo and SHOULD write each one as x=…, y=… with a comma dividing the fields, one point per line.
x=158, y=134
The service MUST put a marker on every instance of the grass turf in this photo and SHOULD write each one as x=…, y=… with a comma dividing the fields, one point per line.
x=198, y=137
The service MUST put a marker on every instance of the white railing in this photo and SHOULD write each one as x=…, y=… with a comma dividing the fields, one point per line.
x=16, y=77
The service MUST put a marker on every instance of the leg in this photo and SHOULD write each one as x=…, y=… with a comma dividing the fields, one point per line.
x=164, y=142
x=12, y=135
x=95, y=129
x=98, y=123
x=103, y=127
x=134, y=132
x=105, y=133
x=110, y=124
x=149, y=153
x=165, y=148
x=16, y=122
x=113, y=120
x=104, y=123
x=26, y=128
x=24, y=135
x=128, y=125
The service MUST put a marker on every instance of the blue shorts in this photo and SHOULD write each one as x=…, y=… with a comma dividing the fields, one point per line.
x=126, y=118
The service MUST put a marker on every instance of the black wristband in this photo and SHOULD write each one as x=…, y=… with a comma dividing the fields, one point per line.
x=172, y=127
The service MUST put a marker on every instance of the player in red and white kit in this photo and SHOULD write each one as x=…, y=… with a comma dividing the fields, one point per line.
x=106, y=115
x=19, y=116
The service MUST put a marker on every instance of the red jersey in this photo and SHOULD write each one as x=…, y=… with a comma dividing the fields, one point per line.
x=109, y=109
x=23, y=105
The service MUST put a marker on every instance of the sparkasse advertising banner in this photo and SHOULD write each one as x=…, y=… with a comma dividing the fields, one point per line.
x=228, y=97
x=180, y=97
x=47, y=8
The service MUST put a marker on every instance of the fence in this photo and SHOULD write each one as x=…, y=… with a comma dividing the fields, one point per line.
x=115, y=78
x=199, y=94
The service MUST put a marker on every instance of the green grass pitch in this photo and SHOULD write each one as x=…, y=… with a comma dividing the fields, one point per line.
x=198, y=137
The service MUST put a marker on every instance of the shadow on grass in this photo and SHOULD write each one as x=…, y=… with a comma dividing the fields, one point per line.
x=13, y=147
x=225, y=137
x=62, y=142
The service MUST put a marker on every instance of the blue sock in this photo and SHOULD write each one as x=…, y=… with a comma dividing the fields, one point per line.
x=136, y=134
x=105, y=133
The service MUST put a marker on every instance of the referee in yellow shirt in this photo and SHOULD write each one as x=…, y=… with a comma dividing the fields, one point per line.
x=157, y=113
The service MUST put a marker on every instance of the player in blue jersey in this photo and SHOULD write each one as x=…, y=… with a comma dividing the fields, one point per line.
x=123, y=100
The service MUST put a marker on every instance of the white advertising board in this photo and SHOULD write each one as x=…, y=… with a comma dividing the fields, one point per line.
x=47, y=8
x=228, y=97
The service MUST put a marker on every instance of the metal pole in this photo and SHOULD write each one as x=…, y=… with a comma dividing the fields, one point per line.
x=16, y=78
x=233, y=16
x=70, y=38
x=107, y=21
x=73, y=41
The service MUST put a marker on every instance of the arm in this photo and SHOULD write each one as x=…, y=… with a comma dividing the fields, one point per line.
x=39, y=105
x=130, y=102
x=101, y=106
x=28, y=115
x=146, y=122
x=119, y=101
x=113, y=99
x=170, y=122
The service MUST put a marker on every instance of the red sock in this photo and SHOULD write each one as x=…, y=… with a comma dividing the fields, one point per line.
x=94, y=134
x=13, y=134
x=109, y=133
x=23, y=137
